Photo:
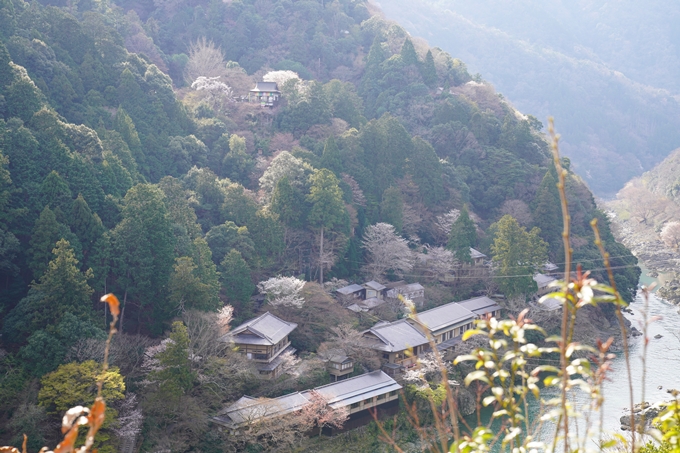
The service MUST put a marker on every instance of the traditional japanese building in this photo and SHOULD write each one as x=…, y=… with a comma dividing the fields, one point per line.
x=398, y=342
x=263, y=340
x=266, y=94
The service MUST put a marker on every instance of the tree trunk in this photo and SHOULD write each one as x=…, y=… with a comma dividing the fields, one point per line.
x=321, y=258
x=122, y=313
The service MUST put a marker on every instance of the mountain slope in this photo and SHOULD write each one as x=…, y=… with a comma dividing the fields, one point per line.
x=607, y=73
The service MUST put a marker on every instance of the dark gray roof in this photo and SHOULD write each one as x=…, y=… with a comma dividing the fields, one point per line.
x=248, y=409
x=375, y=285
x=266, y=329
x=265, y=86
x=350, y=289
x=352, y=390
x=543, y=280
x=396, y=336
x=451, y=342
x=476, y=254
x=339, y=359
x=339, y=394
x=444, y=316
x=480, y=305
x=396, y=284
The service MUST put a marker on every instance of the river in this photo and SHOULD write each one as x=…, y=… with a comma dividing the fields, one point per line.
x=663, y=365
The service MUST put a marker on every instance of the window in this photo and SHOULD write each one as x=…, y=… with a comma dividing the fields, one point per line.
x=355, y=405
x=381, y=397
x=393, y=393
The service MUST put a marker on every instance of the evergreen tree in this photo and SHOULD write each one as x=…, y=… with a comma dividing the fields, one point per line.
x=267, y=234
x=426, y=170
x=237, y=282
x=46, y=233
x=143, y=246
x=327, y=208
x=547, y=213
x=331, y=158
x=429, y=71
x=127, y=130
x=237, y=163
x=6, y=74
x=408, y=53
x=463, y=235
x=55, y=193
x=175, y=376
x=65, y=289
x=518, y=253
x=85, y=225
x=23, y=99
x=188, y=291
x=288, y=203
x=392, y=208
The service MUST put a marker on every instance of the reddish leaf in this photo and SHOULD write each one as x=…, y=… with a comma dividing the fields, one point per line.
x=97, y=414
x=69, y=441
x=114, y=305
x=8, y=450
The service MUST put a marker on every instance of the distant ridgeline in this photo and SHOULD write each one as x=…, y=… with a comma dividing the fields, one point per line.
x=160, y=197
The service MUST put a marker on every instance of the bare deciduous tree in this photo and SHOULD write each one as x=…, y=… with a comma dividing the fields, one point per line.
x=519, y=210
x=347, y=340
x=386, y=251
x=358, y=197
x=205, y=59
x=438, y=261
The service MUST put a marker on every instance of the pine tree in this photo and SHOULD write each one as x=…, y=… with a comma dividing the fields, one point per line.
x=6, y=74
x=463, y=235
x=426, y=170
x=46, y=233
x=429, y=71
x=127, y=130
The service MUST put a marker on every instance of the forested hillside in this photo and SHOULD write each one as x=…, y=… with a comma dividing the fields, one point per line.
x=607, y=71
x=131, y=162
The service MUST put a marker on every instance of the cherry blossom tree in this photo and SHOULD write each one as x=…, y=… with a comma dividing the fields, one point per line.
x=386, y=251
x=280, y=77
x=216, y=93
x=670, y=234
x=444, y=223
x=318, y=413
x=283, y=291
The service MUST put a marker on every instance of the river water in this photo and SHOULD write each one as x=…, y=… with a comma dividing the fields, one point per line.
x=663, y=366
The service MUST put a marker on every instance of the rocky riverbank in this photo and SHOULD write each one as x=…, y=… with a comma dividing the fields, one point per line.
x=644, y=242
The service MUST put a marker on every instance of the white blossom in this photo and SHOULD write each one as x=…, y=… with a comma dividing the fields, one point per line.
x=283, y=291
x=386, y=250
x=280, y=77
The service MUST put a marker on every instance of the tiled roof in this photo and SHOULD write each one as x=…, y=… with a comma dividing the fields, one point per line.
x=396, y=336
x=543, y=280
x=375, y=285
x=352, y=390
x=265, y=86
x=444, y=316
x=480, y=305
x=339, y=394
x=248, y=410
x=351, y=289
x=266, y=329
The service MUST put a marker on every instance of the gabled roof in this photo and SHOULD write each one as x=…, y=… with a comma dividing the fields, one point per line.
x=444, y=316
x=352, y=390
x=266, y=329
x=396, y=284
x=339, y=359
x=474, y=254
x=396, y=336
x=351, y=289
x=549, y=267
x=338, y=394
x=249, y=410
x=543, y=280
x=265, y=86
x=480, y=305
x=375, y=285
